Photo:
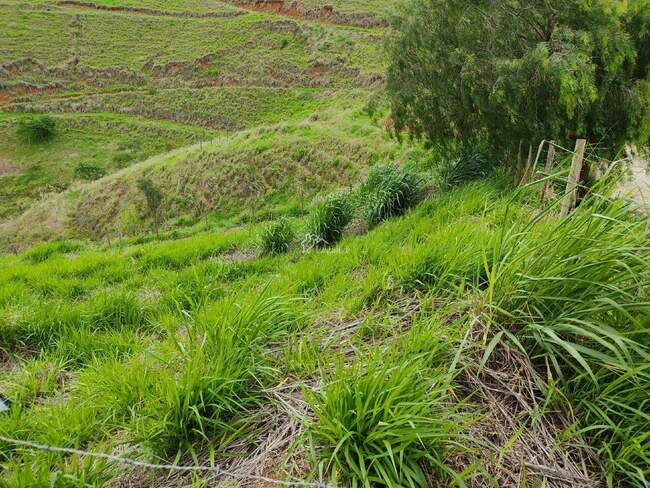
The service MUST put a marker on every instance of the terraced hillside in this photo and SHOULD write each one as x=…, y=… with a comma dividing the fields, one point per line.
x=208, y=67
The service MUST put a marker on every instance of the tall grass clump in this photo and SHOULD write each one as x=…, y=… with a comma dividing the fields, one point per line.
x=37, y=129
x=43, y=252
x=213, y=374
x=467, y=166
x=380, y=424
x=574, y=293
x=329, y=220
x=276, y=237
x=388, y=192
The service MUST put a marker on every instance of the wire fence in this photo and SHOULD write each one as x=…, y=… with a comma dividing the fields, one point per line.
x=215, y=470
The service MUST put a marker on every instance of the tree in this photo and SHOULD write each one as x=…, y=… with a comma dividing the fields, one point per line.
x=154, y=199
x=506, y=72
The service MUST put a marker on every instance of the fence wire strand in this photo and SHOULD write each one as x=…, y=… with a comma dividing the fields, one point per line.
x=216, y=470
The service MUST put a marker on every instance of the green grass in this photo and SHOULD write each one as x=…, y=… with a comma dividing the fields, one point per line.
x=179, y=346
x=196, y=346
x=380, y=421
x=247, y=50
x=575, y=292
x=195, y=6
x=248, y=175
x=110, y=142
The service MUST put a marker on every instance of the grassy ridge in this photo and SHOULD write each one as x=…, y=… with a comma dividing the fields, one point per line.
x=252, y=49
x=110, y=142
x=246, y=175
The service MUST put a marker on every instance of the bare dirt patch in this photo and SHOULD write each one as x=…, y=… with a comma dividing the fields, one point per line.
x=326, y=14
x=7, y=169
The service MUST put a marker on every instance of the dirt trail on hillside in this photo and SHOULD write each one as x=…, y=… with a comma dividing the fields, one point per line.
x=148, y=11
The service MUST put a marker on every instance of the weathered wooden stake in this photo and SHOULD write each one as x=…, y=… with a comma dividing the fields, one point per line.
x=571, y=195
x=529, y=162
x=550, y=162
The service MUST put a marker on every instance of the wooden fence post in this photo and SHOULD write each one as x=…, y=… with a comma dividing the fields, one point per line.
x=550, y=162
x=571, y=195
x=525, y=178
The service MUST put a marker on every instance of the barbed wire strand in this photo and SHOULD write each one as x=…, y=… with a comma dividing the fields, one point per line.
x=169, y=467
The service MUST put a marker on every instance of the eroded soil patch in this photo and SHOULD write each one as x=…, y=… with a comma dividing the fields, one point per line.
x=326, y=14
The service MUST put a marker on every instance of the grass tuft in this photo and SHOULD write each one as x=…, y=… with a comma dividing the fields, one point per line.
x=388, y=192
x=329, y=220
x=379, y=424
x=277, y=237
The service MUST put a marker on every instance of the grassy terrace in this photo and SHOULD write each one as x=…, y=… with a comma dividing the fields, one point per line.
x=254, y=174
x=124, y=73
x=251, y=49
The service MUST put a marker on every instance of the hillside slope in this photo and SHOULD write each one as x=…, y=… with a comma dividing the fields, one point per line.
x=209, y=67
x=269, y=169
x=257, y=362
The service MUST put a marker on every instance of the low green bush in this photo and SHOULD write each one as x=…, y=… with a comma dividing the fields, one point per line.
x=329, y=220
x=37, y=129
x=467, y=166
x=89, y=171
x=276, y=237
x=388, y=192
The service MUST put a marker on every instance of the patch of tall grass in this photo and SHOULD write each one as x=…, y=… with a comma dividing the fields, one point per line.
x=467, y=166
x=388, y=192
x=329, y=220
x=382, y=422
x=574, y=293
x=277, y=237
x=213, y=374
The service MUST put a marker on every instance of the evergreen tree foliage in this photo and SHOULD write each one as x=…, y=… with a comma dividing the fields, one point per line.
x=502, y=72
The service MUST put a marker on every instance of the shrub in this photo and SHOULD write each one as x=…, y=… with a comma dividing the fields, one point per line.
x=276, y=238
x=329, y=220
x=89, y=171
x=388, y=192
x=38, y=129
x=378, y=425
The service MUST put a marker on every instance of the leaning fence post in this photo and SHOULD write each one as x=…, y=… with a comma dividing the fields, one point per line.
x=571, y=195
x=550, y=162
